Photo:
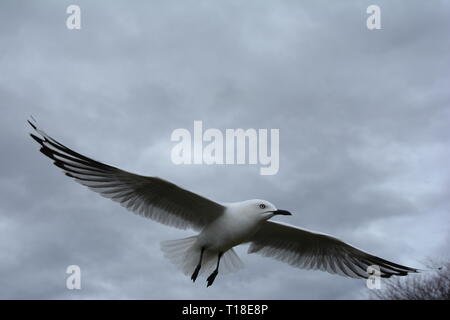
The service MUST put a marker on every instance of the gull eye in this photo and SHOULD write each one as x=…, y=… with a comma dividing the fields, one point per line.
x=262, y=206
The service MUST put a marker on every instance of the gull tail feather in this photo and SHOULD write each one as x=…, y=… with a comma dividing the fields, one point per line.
x=185, y=254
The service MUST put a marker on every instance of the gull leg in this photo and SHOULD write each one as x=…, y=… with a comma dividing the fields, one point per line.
x=197, y=269
x=215, y=272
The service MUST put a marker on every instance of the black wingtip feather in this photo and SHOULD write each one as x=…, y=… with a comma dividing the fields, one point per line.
x=31, y=124
x=59, y=164
x=46, y=151
x=37, y=139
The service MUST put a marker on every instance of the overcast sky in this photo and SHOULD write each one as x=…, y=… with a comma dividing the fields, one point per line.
x=363, y=118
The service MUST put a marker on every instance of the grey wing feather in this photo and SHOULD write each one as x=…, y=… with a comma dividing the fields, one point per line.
x=309, y=250
x=150, y=197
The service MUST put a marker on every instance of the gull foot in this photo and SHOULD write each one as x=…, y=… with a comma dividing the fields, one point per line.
x=212, y=277
x=195, y=274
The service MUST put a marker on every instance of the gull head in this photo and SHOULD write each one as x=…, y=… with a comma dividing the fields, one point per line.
x=261, y=209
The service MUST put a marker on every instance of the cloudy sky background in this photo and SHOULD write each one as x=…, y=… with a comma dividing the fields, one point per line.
x=363, y=118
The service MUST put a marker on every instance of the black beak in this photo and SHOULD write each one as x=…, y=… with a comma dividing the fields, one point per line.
x=282, y=212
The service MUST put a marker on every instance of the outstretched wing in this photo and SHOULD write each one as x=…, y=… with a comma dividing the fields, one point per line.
x=309, y=250
x=150, y=197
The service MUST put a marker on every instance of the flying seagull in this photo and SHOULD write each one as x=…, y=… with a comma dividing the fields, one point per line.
x=221, y=226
